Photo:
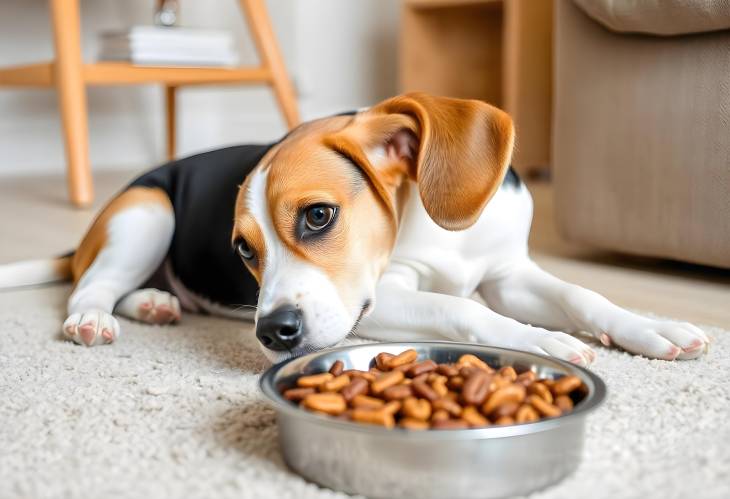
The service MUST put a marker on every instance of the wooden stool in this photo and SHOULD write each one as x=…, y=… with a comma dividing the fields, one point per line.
x=68, y=73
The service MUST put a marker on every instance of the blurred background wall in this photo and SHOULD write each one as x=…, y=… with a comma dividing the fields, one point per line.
x=341, y=54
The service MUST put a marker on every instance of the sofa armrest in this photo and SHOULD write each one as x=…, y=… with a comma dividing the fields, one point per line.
x=659, y=17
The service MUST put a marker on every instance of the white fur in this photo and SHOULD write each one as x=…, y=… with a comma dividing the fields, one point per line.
x=425, y=292
x=149, y=305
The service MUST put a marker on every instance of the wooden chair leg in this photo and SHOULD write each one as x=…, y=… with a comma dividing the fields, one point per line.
x=69, y=80
x=171, y=120
x=259, y=23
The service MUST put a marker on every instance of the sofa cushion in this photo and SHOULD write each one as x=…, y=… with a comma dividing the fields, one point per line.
x=659, y=17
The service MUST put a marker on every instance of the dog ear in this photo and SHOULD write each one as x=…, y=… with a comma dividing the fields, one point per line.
x=457, y=151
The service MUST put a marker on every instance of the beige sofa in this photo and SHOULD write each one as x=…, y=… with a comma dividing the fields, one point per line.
x=641, y=130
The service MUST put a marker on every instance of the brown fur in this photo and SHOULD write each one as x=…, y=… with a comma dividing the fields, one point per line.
x=458, y=152
x=96, y=236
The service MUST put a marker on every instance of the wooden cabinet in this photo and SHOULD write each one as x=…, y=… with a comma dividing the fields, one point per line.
x=499, y=51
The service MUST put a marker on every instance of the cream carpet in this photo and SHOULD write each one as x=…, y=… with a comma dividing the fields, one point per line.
x=175, y=412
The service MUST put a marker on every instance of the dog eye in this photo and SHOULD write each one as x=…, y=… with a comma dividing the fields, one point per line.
x=244, y=250
x=319, y=216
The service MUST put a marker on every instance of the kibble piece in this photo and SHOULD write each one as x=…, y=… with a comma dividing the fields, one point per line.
x=504, y=395
x=526, y=414
x=455, y=382
x=405, y=367
x=392, y=407
x=545, y=409
x=423, y=390
x=447, y=369
x=508, y=372
x=354, y=373
x=314, y=380
x=386, y=380
x=564, y=403
x=507, y=409
x=499, y=382
x=337, y=368
x=526, y=377
x=357, y=386
x=297, y=394
x=472, y=360
x=382, y=359
x=365, y=402
x=373, y=417
x=447, y=405
x=476, y=388
x=397, y=392
x=439, y=415
x=402, y=358
x=417, y=408
x=538, y=388
x=439, y=386
x=328, y=403
x=421, y=367
x=466, y=371
x=335, y=384
x=566, y=384
x=472, y=416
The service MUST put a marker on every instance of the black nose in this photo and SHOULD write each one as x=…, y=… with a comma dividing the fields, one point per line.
x=281, y=329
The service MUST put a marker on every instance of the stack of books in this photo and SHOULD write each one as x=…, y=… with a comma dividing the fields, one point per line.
x=169, y=46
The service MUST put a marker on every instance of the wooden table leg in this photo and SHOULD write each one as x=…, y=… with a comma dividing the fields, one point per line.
x=263, y=35
x=68, y=77
x=171, y=120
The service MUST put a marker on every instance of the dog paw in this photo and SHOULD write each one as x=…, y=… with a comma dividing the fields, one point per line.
x=555, y=344
x=151, y=306
x=91, y=328
x=658, y=339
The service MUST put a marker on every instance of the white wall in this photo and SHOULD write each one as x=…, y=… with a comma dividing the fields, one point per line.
x=342, y=54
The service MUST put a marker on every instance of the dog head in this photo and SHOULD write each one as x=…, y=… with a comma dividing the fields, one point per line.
x=317, y=219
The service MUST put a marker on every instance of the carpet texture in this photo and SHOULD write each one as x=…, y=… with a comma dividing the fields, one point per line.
x=175, y=412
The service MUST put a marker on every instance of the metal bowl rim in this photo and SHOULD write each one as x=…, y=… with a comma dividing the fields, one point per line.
x=596, y=396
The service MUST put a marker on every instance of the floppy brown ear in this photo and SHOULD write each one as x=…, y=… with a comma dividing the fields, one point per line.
x=457, y=151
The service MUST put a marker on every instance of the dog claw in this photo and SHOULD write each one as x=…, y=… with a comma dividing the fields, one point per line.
x=605, y=340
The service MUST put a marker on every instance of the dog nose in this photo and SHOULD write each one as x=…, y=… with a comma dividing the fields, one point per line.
x=281, y=329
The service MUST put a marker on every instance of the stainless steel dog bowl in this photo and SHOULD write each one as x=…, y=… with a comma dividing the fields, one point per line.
x=496, y=461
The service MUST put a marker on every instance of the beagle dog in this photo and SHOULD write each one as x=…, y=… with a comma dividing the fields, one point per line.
x=386, y=221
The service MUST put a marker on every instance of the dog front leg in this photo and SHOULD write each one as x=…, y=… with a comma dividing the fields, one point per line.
x=403, y=313
x=531, y=295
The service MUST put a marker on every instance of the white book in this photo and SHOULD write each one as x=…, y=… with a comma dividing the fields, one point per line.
x=169, y=46
x=151, y=33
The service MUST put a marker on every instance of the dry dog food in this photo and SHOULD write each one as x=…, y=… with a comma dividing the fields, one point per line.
x=400, y=390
